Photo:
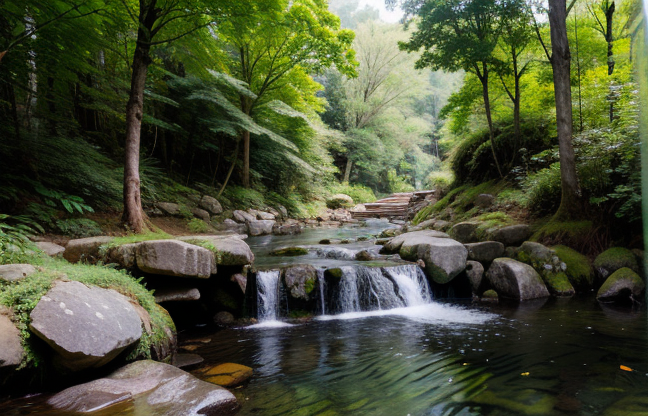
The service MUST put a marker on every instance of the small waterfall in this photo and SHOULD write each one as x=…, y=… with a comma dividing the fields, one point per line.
x=337, y=253
x=349, y=299
x=412, y=284
x=268, y=295
x=322, y=290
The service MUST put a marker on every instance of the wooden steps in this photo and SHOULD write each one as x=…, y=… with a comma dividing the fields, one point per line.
x=395, y=206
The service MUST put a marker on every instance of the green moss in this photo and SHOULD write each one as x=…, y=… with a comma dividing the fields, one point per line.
x=527, y=402
x=138, y=238
x=616, y=258
x=572, y=233
x=558, y=283
x=309, y=285
x=297, y=314
x=579, y=269
x=22, y=297
x=490, y=221
x=335, y=273
x=289, y=251
x=198, y=226
x=624, y=273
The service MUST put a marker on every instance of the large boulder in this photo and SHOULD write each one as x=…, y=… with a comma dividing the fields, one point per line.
x=242, y=216
x=265, y=215
x=123, y=255
x=614, y=259
x=260, y=227
x=512, y=235
x=11, y=350
x=286, y=229
x=300, y=280
x=231, y=226
x=49, y=248
x=15, y=272
x=475, y=273
x=175, y=258
x=153, y=388
x=86, y=326
x=394, y=245
x=486, y=251
x=85, y=249
x=545, y=261
x=228, y=250
x=465, y=232
x=211, y=205
x=516, y=280
x=622, y=286
x=339, y=201
x=169, y=208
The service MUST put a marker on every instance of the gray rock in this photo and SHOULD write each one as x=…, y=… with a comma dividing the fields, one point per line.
x=201, y=213
x=394, y=245
x=260, y=227
x=241, y=280
x=365, y=255
x=475, y=273
x=300, y=280
x=286, y=229
x=265, y=216
x=11, y=350
x=242, y=216
x=123, y=255
x=622, y=285
x=230, y=250
x=85, y=249
x=187, y=360
x=176, y=295
x=154, y=388
x=169, y=208
x=427, y=224
x=339, y=201
x=15, y=272
x=484, y=200
x=50, y=249
x=224, y=318
x=613, y=259
x=536, y=251
x=86, y=326
x=283, y=211
x=231, y=225
x=512, y=235
x=442, y=225
x=465, y=232
x=175, y=258
x=486, y=251
x=516, y=280
x=211, y=205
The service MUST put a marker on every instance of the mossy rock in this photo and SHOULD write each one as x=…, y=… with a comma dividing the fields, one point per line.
x=558, y=284
x=614, y=259
x=549, y=267
x=622, y=285
x=579, y=269
x=289, y=252
x=334, y=273
x=490, y=296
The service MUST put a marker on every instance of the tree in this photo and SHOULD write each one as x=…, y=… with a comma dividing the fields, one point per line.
x=608, y=8
x=151, y=18
x=458, y=35
x=275, y=41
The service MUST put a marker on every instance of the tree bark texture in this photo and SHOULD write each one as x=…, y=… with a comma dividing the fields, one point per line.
x=489, y=118
x=570, y=206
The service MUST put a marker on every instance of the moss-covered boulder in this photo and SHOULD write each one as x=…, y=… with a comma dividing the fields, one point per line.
x=289, y=252
x=300, y=280
x=490, y=296
x=552, y=270
x=624, y=285
x=579, y=268
x=465, y=232
x=339, y=201
x=614, y=259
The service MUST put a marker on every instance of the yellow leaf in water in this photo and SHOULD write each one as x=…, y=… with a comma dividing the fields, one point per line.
x=525, y=374
x=624, y=368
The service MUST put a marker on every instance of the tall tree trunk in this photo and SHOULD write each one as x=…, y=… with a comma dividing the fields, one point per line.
x=491, y=130
x=609, y=36
x=246, y=158
x=570, y=206
x=347, y=170
x=516, y=110
x=133, y=216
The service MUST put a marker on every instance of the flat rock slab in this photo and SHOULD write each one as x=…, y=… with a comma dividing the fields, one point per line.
x=516, y=280
x=394, y=245
x=50, y=249
x=86, y=326
x=230, y=250
x=187, y=360
x=11, y=350
x=227, y=375
x=86, y=249
x=176, y=295
x=165, y=390
x=175, y=258
x=242, y=216
x=15, y=272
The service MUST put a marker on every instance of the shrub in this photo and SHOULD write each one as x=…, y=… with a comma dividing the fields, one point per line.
x=359, y=193
x=79, y=227
x=439, y=180
x=197, y=226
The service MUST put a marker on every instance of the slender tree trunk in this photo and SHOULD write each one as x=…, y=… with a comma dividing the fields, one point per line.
x=246, y=158
x=347, y=170
x=570, y=206
x=229, y=172
x=609, y=36
x=133, y=216
x=578, y=70
x=491, y=130
x=516, y=110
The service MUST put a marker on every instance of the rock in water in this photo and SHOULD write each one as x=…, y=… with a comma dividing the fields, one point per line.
x=475, y=273
x=516, y=280
x=167, y=391
x=15, y=272
x=229, y=250
x=227, y=375
x=86, y=326
x=300, y=280
x=413, y=238
x=614, y=259
x=260, y=227
x=622, y=285
x=175, y=258
x=444, y=258
x=11, y=350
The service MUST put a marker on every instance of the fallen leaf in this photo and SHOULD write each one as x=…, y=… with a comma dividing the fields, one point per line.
x=525, y=374
x=624, y=368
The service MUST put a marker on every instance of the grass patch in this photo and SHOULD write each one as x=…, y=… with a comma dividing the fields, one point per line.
x=359, y=193
x=22, y=297
x=138, y=238
x=197, y=226
x=580, y=235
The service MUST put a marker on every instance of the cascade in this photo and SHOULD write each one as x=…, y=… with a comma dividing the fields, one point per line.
x=412, y=284
x=322, y=290
x=268, y=295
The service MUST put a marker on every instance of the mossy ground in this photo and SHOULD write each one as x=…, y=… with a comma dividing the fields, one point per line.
x=580, y=235
x=22, y=297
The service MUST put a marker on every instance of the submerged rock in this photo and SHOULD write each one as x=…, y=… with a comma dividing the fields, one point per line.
x=516, y=280
x=622, y=286
x=289, y=251
x=187, y=360
x=486, y=251
x=15, y=272
x=86, y=326
x=227, y=375
x=175, y=258
x=167, y=391
x=11, y=350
